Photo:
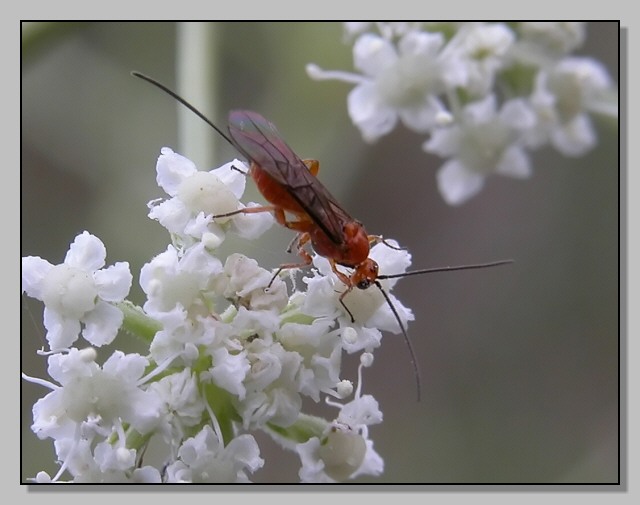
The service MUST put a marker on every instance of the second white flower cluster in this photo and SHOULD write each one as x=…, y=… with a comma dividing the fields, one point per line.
x=486, y=93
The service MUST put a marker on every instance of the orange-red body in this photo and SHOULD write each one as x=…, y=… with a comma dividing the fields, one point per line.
x=300, y=202
x=355, y=246
x=290, y=185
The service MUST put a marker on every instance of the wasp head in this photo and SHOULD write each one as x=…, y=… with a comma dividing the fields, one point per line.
x=365, y=274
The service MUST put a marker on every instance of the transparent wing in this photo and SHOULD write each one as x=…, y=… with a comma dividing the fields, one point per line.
x=258, y=139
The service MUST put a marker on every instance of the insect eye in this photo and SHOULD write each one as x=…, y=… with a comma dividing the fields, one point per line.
x=364, y=284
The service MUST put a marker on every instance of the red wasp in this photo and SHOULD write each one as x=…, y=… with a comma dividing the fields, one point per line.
x=290, y=185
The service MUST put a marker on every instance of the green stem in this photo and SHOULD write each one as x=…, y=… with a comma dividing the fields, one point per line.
x=137, y=322
x=305, y=428
x=221, y=404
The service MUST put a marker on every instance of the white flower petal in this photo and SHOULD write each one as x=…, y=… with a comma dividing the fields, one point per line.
x=114, y=282
x=251, y=226
x=70, y=291
x=373, y=464
x=312, y=467
x=367, y=112
x=87, y=252
x=34, y=270
x=102, y=324
x=179, y=392
x=229, y=371
x=61, y=331
x=172, y=214
x=146, y=475
x=517, y=114
x=203, y=459
x=201, y=228
x=73, y=366
x=320, y=299
x=590, y=73
x=128, y=367
x=576, y=137
x=481, y=111
x=172, y=169
x=205, y=192
x=457, y=184
x=373, y=54
x=49, y=419
x=232, y=177
x=444, y=142
x=384, y=318
x=422, y=117
x=110, y=457
x=245, y=452
x=423, y=44
x=366, y=339
x=515, y=163
x=362, y=411
x=167, y=260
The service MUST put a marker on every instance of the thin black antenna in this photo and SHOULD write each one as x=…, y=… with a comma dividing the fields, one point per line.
x=183, y=102
x=447, y=269
x=414, y=361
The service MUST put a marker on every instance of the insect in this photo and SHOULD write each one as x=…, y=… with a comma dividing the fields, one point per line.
x=290, y=185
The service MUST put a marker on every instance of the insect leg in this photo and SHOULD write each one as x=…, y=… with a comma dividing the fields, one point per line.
x=377, y=239
x=233, y=167
x=277, y=212
x=247, y=210
x=300, y=240
x=294, y=243
x=346, y=280
x=344, y=305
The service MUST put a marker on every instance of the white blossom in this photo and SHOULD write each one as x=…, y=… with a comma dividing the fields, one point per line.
x=196, y=196
x=541, y=43
x=230, y=351
x=79, y=290
x=182, y=405
x=434, y=75
x=180, y=279
x=485, y=141
x=229, y=371
x=344, y=450
x=368, y=307
x=271, y=385
x=110, y=394
x=400, y=82
x=204, y=459
x=564, y=97
x=482, y=49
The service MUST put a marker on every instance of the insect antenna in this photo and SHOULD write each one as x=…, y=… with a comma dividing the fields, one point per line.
x=391, y=246
x=447, y=269
x=183, y=102
x=414, y=361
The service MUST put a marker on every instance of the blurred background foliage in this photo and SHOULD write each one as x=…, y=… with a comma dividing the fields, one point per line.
x=520, y=364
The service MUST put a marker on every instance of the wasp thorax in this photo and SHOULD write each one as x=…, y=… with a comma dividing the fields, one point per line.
x=356, y=244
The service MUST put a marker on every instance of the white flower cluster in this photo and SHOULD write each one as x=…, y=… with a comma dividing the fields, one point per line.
x=485, y=93
x=230, y=351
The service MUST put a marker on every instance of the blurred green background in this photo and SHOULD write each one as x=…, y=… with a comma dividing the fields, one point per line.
x=520, y=364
